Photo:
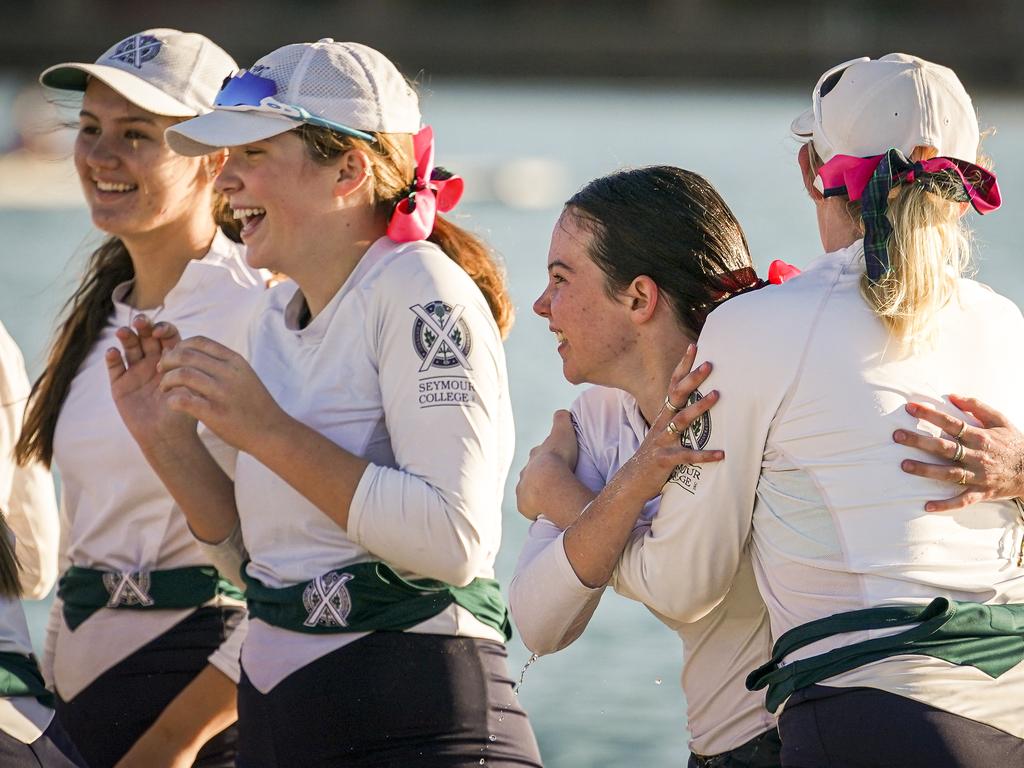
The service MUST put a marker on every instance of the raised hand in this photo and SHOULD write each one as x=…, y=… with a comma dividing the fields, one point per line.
x=665, y=445
x=992, y=462
x=135, y=380
x=212, y=383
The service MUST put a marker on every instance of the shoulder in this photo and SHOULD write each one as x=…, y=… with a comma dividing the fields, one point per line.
x=403, y=268
x=12, y=369
x=598, y=414
x=975, y=295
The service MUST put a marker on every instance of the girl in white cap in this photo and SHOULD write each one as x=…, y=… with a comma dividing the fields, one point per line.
x=372, y=423
x=637, y=261
x=30, y=735
x=897, y=632
x=139, y=647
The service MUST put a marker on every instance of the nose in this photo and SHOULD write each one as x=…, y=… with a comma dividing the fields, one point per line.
x=228, y=181
x=542, y=306
x=100, y=155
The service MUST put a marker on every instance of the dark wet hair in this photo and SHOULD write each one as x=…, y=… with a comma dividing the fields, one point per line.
x=671, y=225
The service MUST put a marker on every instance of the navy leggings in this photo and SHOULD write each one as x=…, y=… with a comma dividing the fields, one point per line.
x=826, y=727
x=110, y=715
x=390, y=699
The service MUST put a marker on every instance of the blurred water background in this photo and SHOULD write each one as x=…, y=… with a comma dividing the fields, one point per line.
x=613, y=698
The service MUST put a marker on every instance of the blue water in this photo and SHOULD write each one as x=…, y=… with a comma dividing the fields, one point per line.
x=613, y=698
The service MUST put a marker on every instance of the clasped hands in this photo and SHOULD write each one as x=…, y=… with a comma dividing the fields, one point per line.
x=163, y=384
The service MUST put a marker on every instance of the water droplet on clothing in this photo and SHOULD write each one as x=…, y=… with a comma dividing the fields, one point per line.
x=492, y=737
x=657, y=681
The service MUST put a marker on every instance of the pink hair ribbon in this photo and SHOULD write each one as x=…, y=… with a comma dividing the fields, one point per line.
x=870, y=179
x=433, y=190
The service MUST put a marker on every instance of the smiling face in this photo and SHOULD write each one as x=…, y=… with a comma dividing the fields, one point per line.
x=282, y=198
x=593, y=330
x=133, y=183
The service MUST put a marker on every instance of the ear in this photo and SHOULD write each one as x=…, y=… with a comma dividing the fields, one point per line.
x=354, y=171
x=641, y=298
x=212, y=163
x=807, y=173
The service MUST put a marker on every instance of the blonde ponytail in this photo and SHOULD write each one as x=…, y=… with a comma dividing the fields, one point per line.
x=929, y=250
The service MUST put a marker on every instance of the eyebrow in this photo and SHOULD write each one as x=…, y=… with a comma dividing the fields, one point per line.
x=556, y=264
x=128, y=119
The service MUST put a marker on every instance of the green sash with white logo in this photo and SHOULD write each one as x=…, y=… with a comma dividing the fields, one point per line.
x=987, y=637
x=368, y=597
x=85, y=590
x=19, y=676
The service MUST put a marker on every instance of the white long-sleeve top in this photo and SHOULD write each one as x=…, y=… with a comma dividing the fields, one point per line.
x=405, y=368
x=812, y=389
x=116, y=513
x=552, y=607
x=29, y=505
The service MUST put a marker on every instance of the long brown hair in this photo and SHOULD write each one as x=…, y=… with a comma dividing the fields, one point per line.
x=85, y=316
x=10, y=585
x=393, y=163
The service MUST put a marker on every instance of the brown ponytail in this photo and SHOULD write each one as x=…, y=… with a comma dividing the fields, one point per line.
x=391, y=156
x=10, y=584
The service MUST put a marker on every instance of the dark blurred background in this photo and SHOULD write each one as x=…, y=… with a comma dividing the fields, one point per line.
x=667, y=40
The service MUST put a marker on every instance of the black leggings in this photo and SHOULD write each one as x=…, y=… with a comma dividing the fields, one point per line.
x=110, y=715
x=762, y=751
x=867, y=728
x=390, y=699
x=53, y=749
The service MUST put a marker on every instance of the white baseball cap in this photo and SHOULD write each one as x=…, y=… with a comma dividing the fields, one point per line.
x=163, y=71
x=348, y=87
x=866, y=107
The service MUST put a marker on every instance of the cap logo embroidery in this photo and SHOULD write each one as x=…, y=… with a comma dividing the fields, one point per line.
x=440, y=336
x=137, y=50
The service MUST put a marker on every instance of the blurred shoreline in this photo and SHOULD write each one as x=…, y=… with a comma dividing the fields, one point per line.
x=718, y=41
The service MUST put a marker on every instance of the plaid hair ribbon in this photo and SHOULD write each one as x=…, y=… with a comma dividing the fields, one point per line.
x=870, y=179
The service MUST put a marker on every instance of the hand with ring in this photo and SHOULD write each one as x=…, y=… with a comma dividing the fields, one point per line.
x=988, y=459
x=665, y=446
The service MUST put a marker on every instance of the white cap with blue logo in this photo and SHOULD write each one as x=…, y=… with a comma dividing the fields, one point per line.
x=347, y=87
x=163, y=71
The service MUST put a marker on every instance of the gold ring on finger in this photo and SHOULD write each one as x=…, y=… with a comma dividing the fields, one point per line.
x=963, y=428
x=672, y=429
x=958, y=454
x=963, y=477
x=672, y=406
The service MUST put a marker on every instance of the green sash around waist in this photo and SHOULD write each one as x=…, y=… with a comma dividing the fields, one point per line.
x=368, y=597
x=86, y=590
x=988, y=637
x=19, y=676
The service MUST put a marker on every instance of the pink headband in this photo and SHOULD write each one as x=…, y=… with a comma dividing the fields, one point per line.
x=433, y=189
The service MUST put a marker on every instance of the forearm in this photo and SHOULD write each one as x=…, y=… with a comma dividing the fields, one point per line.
x=322, y=471
x=549, y=605
x=594, y=542
x=549, y=487
x=204, y=708
x=205, y=494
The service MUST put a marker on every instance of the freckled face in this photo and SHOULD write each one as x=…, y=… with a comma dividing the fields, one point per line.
x=133, y=183
x=593, y=329
x=281, y=196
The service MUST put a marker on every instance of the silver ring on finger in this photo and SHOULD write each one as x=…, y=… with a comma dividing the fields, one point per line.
x=672, y=429
x=963, y=477
x=963, y=428
x=958, y=454
x=672, y=406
